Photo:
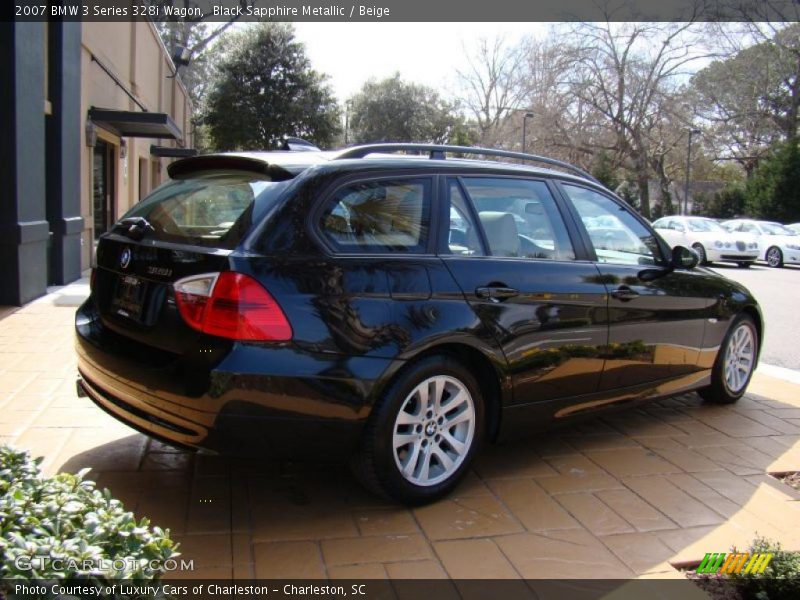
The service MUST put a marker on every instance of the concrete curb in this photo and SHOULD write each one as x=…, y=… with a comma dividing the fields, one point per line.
x=790, y=375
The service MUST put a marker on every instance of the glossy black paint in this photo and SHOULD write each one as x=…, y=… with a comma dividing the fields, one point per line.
x=564, y=347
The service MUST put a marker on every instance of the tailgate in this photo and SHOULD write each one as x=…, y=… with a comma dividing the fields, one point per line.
x=189, y=226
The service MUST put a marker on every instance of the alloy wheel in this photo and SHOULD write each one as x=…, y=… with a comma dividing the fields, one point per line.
x=739, y=358
x=701, y=253
x=774, y=257
x=434, y=430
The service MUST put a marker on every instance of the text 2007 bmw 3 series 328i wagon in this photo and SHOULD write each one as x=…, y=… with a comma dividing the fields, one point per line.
x=395, y=308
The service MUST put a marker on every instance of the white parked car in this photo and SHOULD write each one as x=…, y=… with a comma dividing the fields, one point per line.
x=777, y=244
x=708, y=238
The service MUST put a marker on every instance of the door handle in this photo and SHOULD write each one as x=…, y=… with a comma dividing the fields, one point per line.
x=496, y=293
x=624, y=293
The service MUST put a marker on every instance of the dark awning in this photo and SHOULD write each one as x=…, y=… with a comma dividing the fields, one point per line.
x=174, y=152
x=128, y=123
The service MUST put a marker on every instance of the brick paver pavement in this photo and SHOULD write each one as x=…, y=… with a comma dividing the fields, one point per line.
x=622, y=496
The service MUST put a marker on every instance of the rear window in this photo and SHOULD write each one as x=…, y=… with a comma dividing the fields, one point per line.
x=212, y=208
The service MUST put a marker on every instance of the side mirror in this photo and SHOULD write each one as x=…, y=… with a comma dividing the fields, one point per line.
x=684, y=258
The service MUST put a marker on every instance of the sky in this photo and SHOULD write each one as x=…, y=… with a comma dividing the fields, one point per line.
x=426, y=53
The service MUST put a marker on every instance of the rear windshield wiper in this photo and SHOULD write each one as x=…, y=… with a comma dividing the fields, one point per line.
x=134, y=227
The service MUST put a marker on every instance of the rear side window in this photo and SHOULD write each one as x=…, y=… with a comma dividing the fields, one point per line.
x=378, y=217
x=212, y=208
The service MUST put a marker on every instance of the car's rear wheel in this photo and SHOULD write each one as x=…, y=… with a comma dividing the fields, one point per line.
x=701, y=254
x=423, y=433
x=735, y=363
x=775, y=257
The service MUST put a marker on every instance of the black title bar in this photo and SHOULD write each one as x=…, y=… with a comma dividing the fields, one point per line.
x=403, y=10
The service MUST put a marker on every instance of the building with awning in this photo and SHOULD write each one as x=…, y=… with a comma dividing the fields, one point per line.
x=91, y=113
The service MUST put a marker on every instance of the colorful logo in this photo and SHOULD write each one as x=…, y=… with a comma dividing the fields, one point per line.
x=736, y=562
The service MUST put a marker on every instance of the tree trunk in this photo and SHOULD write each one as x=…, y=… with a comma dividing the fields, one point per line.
x=667, y=208
x=794, y=105
x=642, y=181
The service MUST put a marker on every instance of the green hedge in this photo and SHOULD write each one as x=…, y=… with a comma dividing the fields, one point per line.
x=66, y=519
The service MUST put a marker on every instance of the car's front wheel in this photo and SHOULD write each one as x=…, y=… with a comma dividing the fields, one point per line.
x=735, y=363
x=775, y=257
x=701, y=254
x=422, y=435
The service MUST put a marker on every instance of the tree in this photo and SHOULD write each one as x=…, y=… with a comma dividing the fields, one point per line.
x=728, y=203
x=266, y=90
x=629, y=74
x=750, y=100
x=494, y=84
x=199, y=38
x=399, y=111
x=773, y=191
x=603, y=170
x=199, y=73
x=774, y=24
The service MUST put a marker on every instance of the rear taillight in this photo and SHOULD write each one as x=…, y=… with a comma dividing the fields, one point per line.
x=231, y=305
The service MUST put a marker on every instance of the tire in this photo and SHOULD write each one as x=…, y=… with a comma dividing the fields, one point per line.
x=397, y=470
x=774, y=257
x=744, y=265
x=701, y=252
x=730, y=377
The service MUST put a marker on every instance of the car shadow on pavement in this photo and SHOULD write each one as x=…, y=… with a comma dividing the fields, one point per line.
x=627, y=494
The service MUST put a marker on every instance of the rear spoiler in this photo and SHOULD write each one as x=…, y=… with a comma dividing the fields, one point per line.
x=214, y=162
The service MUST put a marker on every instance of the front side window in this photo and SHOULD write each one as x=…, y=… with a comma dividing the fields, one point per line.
x=662, y=224
x=749, y=228
x=519, y=218
x=617, y=236
x=378, y=216
x=776, y=229
x=704, y=226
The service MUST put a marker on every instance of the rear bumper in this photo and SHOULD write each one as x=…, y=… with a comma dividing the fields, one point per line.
x=254, y=400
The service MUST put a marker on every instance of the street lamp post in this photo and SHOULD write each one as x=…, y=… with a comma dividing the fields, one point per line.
x=525, y=117
x=688, y=171
x=347, y=105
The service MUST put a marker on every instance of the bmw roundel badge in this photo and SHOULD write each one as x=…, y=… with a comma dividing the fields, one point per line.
x=125, y=258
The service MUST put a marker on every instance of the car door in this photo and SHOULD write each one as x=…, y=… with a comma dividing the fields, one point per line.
x=656, y=314
x=516, y=261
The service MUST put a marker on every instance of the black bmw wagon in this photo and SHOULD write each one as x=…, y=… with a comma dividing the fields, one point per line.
x=396, y=305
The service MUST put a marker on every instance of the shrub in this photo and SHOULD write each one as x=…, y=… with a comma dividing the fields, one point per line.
x=780, y=580
x=773, y=192
x=728, y=203
x=65, y=517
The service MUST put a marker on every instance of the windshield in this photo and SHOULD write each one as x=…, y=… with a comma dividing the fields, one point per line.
x=703, y=225
x=776, y=229
x=212, y=208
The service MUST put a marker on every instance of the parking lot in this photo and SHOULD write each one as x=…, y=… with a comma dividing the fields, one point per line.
x=777, y=291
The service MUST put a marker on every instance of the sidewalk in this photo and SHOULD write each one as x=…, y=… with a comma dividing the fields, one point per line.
x=618, y=497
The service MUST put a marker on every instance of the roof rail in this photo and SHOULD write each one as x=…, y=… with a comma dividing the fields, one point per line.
x=437, y=152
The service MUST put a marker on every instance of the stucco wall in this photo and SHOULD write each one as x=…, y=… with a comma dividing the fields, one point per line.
x=133, y=52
